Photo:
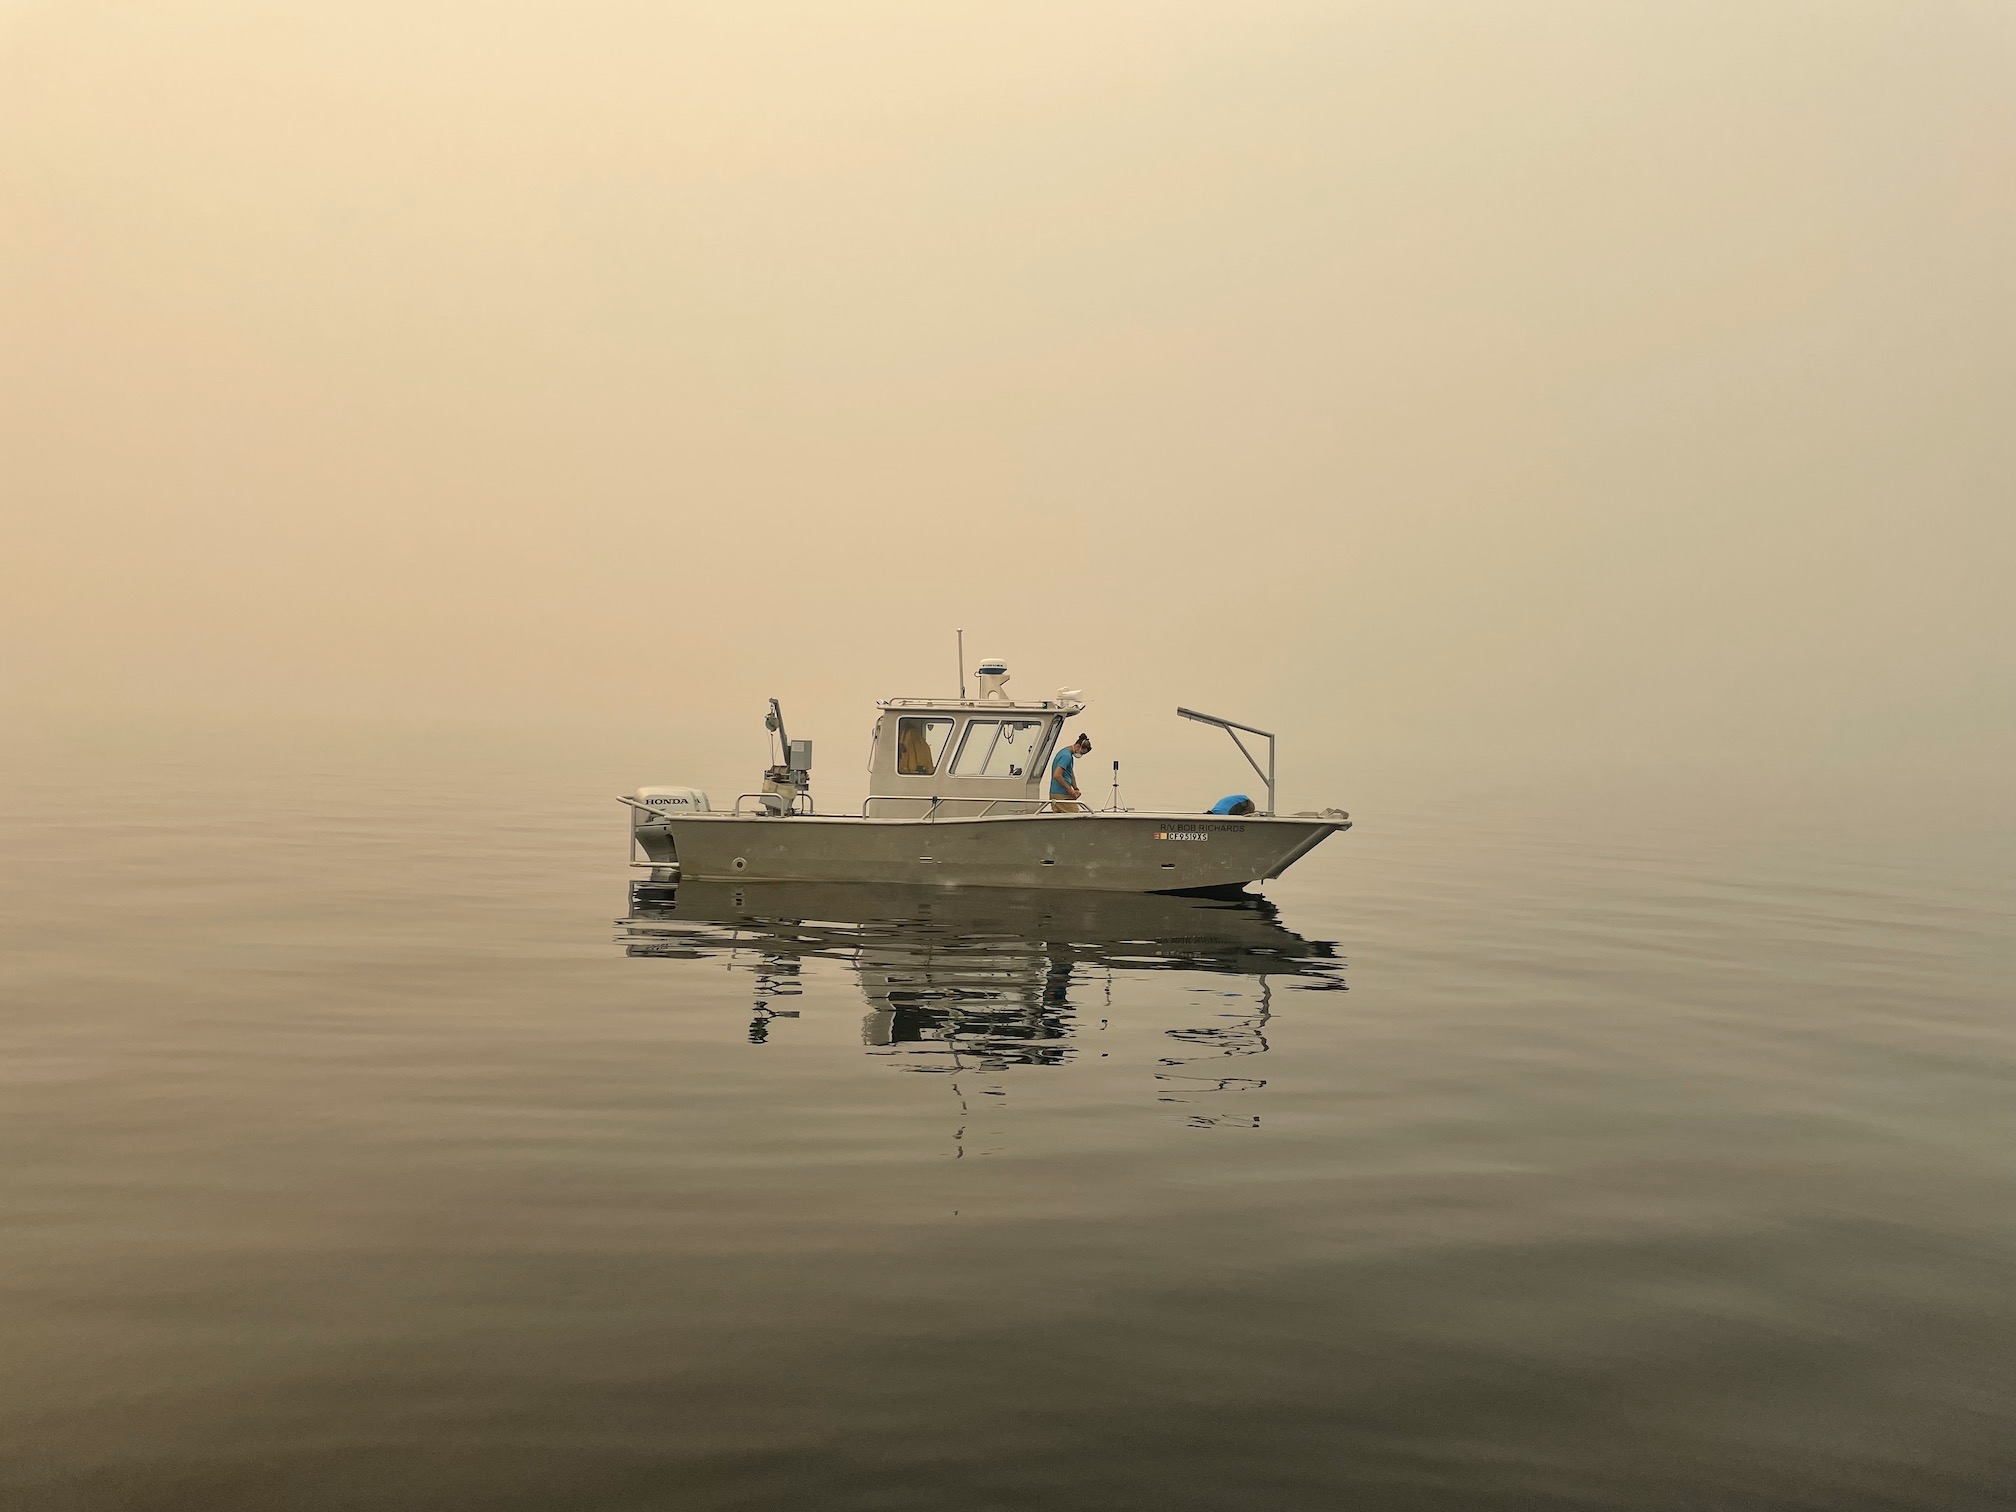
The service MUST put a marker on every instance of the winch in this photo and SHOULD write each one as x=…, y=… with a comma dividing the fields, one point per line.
x=790, y=779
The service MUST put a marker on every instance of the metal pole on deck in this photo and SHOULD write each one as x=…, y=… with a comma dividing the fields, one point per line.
x=1232, y=727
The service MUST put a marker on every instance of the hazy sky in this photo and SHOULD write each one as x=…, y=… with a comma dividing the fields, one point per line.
x=1489, y=382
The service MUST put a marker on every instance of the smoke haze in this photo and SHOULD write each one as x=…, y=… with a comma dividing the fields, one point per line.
x=1459, y=389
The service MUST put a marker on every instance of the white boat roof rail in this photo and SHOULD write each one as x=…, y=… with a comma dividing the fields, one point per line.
x=1042, y=706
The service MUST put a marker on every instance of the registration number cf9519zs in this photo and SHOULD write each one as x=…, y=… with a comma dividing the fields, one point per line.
x=1181, y=835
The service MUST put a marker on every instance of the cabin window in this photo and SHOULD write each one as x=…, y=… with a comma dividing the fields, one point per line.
x=1044, y=742
x=920, y=744
x=999, y=748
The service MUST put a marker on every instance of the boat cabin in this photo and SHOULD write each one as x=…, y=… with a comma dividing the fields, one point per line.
x=965, y=757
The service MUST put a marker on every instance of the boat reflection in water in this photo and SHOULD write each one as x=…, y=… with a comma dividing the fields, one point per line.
x=994, y=978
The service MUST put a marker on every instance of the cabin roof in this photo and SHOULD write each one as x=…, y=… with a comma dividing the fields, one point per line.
x=1066, y=707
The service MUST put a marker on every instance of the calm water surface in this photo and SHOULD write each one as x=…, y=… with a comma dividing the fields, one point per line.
x=369, y=1149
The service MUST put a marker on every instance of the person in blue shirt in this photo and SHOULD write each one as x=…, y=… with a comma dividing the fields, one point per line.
x=1064, y=776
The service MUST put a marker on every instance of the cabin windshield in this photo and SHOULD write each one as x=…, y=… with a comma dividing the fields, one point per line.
x=920, y=744
x=999, y=748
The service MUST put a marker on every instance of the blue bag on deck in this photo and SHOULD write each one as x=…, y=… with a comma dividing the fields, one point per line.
x=1226, y=805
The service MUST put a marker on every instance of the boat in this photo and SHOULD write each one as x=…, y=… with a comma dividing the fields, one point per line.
x=958, y=797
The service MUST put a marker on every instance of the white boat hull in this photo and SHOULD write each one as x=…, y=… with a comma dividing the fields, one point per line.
x=1103, y=852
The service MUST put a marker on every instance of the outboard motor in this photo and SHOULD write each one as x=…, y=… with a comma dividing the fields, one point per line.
x=654, y=839
x=672, y=800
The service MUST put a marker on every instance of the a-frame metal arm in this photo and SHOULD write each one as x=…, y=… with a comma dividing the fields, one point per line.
x=1232, y=728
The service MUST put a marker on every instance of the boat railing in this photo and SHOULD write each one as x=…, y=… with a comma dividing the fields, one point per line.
x=1022, y=805
x=662, y=815
x=646, y=810
x=1027, y=805
x=764, y=808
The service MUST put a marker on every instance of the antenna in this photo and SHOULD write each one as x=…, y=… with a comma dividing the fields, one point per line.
x=962, y=664
x=1114, y=802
